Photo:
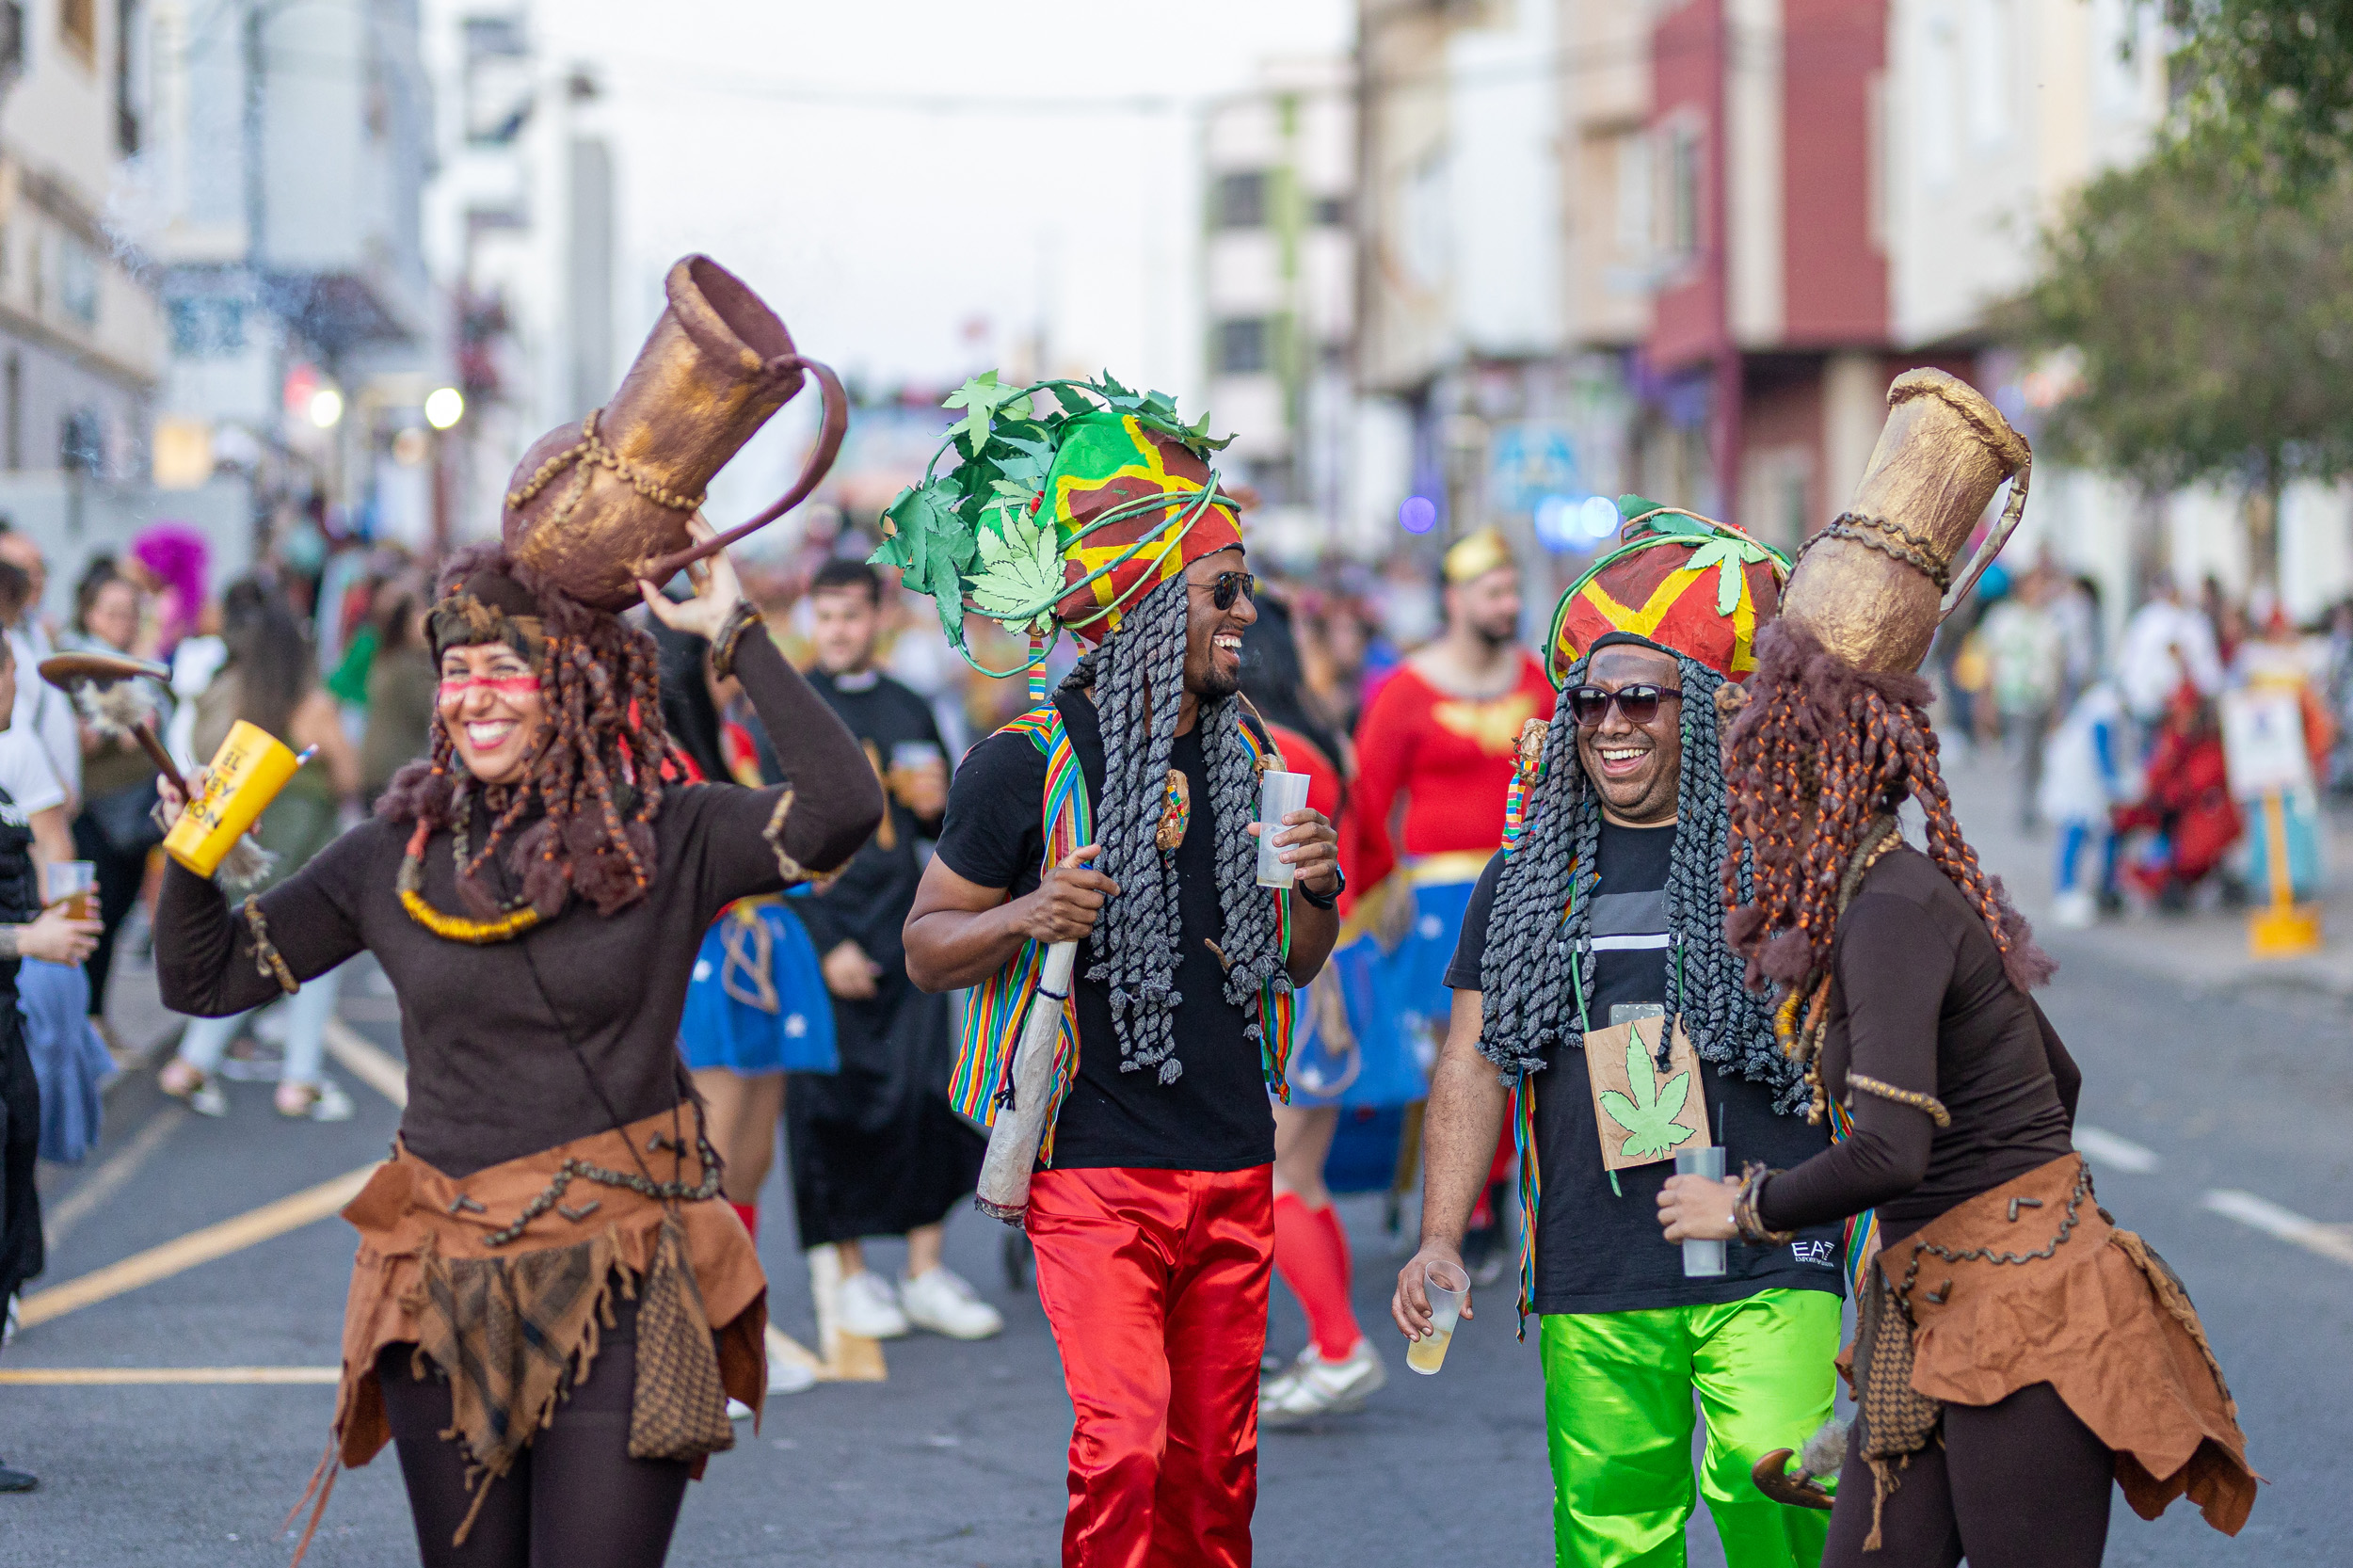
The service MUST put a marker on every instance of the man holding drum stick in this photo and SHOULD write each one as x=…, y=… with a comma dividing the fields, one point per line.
x=1122, y=816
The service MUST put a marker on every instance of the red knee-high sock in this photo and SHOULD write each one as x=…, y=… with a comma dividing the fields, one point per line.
x=1312, y=1258
x=1329, y=1218
x=749, y=1214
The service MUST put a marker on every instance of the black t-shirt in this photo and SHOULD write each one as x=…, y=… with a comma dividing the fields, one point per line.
x=1600, y=1249
x=1215, y=1116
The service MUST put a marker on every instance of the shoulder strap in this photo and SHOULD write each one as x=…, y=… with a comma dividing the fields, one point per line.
x=1000, y=1004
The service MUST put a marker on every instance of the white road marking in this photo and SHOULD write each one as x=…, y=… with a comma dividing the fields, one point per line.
x=83, y=1377
x=198, y=1246
x=379, y=1069
x=2284, y=1224
x=111, y=1177
x=2105, y=1148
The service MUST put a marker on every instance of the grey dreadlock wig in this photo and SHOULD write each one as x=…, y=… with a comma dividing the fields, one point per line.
x=1138, y=678
x=1528, y=994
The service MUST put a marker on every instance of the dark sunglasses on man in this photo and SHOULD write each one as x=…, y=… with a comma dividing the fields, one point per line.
x=1226, y=586
x=1590, y=705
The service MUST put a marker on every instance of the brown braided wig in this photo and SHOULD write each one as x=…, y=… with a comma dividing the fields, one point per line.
x=1817, y=734
x=578, y=822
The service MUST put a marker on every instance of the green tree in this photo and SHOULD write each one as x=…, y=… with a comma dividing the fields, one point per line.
x=2266, y=85
x=2211, y=338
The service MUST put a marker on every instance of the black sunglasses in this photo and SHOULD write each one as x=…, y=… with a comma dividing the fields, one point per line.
x=1226, y=586
x=1590, y=705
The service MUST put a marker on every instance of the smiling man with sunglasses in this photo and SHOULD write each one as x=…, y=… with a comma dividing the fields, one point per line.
x=1594, y=974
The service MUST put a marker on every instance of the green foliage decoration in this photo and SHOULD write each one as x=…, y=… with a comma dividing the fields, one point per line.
x=981, y=536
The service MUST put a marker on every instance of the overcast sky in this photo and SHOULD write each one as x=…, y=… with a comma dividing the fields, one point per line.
x=891, y=176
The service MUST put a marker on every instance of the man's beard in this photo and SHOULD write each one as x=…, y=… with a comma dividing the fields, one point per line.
x=1496, y=639
x=1215, y=687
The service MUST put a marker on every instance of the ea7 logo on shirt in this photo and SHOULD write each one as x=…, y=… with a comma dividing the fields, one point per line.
x=1822, y=1255
x=12, y=813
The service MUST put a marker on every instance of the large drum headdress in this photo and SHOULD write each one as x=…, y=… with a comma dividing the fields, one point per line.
x=598, y=504
x=1873, y=586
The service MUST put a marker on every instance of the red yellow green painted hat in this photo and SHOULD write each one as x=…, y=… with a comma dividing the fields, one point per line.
x=1688, y=583
x=1071, y=501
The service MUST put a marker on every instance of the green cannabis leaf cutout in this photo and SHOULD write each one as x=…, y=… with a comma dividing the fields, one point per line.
x=1021, y=569
x=1649, y=1117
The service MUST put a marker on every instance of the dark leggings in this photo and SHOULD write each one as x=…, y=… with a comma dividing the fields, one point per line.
x=2018, y=1484
x=574, y=1498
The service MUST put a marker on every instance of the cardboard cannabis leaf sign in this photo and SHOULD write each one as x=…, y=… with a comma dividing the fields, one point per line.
x=1644, y=1113
x=1068, y=502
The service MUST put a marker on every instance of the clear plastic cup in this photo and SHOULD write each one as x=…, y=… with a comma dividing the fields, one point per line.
x=1701, y=1260
x=74, y=883
x=1446, y=1285
x=1279, y=795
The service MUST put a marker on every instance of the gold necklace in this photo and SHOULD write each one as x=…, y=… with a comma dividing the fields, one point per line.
x=520, y=917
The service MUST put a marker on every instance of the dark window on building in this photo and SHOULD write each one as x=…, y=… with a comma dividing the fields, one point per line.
x=129, y=43
x=498, y=88
x=206, y=328
x=1682, y=191
x=82, y=442
x=1241, y=201
x=1244, y=346
x=1331, y=212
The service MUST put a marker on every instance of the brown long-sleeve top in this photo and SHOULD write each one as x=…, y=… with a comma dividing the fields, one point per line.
x=1921, y=1003
x=491, y=1076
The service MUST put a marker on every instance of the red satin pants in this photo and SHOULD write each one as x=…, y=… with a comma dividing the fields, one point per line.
x=1156, y=1285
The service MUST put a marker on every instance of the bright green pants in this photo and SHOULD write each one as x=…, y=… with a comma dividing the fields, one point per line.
x=1618, y=1389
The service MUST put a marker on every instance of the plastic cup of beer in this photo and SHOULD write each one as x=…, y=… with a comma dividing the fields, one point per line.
x=1701, y=1260
x=1446, y=1285
x=1279, y=795
x=74, y=883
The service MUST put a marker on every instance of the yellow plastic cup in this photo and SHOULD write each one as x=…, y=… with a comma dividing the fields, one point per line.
x=248, y=771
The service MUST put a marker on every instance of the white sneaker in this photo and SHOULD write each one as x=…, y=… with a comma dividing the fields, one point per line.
x=789, y=1377
x=738, y=1410
x=1315, y=1387
x=869, y=1309
x=2074, y=909
x=944, y=1302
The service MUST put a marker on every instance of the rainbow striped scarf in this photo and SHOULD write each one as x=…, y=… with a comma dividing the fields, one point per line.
x=998, y=1007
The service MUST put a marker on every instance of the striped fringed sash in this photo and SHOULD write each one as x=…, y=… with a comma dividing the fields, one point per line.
x=1000, y=1004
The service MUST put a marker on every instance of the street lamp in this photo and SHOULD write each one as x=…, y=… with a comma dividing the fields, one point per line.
x=445, y=406
x=327, y=408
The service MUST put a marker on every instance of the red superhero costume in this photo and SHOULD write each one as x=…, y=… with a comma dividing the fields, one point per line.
x=1450, y=756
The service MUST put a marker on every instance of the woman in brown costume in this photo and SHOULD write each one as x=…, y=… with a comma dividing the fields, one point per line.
x=2017, y=1353
x=551, y=1303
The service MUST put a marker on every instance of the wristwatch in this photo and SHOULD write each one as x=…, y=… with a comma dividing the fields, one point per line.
x=1330, y=900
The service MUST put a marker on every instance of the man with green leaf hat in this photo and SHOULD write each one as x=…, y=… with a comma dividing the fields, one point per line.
x=1598, y=1004
x=1123, y=814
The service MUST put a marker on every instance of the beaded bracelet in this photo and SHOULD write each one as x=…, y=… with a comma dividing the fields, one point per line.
x=730, y=633
x=1744, y=1211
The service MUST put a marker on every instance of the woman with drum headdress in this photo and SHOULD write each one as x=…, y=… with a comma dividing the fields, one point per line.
x=552, y=1302
x=2016, y=1353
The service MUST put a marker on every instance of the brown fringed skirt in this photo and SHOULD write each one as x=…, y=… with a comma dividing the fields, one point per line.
x=2033, y=1283
x=522, y=1315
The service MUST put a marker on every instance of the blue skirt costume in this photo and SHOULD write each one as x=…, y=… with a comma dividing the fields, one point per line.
x=757, y=1003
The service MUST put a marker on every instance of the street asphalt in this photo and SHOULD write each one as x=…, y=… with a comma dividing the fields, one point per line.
x=2215, y=1114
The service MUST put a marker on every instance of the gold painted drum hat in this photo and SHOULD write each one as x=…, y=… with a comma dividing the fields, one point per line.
x=1873, y=585
x=600, y=502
